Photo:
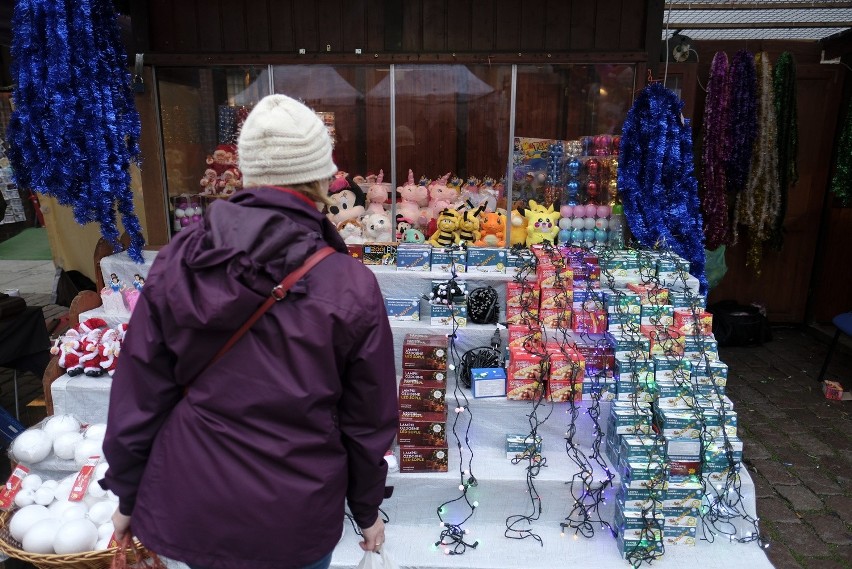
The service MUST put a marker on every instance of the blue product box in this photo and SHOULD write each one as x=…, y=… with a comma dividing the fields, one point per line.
x=714, y=450
x=659, y=315
x=641, y=449
x=685, y=494
x=634, y=542
x=687, y=300
x=403, y=308
x=443, y=258
x=518, y=445
x=447, y=315
x=622, y=302
x=630, y=519
x=9, y=426
x=636, y=498
x=488, y=382
x=413, y=257
x=486, y=260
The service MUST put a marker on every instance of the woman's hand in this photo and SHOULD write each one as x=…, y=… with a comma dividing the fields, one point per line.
x=122, y=524
x=374, y=536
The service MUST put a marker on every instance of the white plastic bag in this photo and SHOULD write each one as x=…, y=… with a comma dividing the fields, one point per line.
x=372, y=560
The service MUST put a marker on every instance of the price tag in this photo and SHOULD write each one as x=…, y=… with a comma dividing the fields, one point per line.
x=81, y=484
x=113, y=542
x=12, y=487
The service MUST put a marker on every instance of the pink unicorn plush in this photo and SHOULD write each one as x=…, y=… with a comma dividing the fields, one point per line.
x=377, y=194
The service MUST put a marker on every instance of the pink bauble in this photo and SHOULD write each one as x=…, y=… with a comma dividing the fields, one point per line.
x=590, y=210
x=603, y=211
x=566, y=211
x=196, y=218
x=184, y=221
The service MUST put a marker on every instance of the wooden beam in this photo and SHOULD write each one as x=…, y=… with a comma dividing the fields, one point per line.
x=686, y=5
x=754, y=25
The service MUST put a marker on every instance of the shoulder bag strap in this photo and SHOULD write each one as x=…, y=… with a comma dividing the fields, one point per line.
x=279, y=292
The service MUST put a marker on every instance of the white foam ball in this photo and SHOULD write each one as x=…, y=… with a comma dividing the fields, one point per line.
x=50, y=484
x=32, y=446
x=57, y=508
x=65, y=443
x=111, y=496
x=61, y=424
x=25, y=518
x=100, y=470
x=90, y=500
x=31, y=482
x=85, y=449
x=101, y=512
x=95, y=431
x=44, y=496
x=76, y=511
x=39, y=538
x=75, y=536
x=106, y=530
x=96, y=491
x=102, y=544
x=63, y=489
x=24, y=497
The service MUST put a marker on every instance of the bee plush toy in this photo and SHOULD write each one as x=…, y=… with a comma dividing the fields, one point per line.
x=448, y=224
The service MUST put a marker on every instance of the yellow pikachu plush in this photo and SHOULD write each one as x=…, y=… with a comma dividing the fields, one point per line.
x=542, y=223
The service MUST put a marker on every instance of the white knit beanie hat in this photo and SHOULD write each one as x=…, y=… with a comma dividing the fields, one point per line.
x=283, y=142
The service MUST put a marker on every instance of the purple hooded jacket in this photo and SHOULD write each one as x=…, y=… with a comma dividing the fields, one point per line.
x=250, y=469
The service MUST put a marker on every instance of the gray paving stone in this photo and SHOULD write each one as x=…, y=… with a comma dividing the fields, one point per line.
x=830, y=529
x=802, y=539
x=775, y=473
x=816, y=479
x=812, y=445
x=801, y=498
x=755, y=451
x=824, y=564
x=762, y=488
x=781, y=557
x=844, y=552
x=776, y=510
x=842, y=506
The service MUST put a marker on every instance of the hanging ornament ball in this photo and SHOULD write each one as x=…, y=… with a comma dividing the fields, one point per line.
x=616, y=143
x=593, y=167
x=577, y=223
x=588, y=223
x=601, y=235
x=603, y=144
x=603, y=211
x=565, y=223
x=592, y=189
x=573, y=167
x=180, y=213
x=564, y=236
x=602, y=223
x=590, y=210
x=185, y=221
x=588, y=235
x=577, y=236
x=566, y=211
x=572, y=188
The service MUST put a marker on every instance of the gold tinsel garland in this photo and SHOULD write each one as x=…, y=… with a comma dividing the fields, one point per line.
x=758, y=205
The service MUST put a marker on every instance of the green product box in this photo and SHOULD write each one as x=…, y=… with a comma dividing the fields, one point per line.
x=677, y=423
x=631, y=519
x=710, y=372
x=627, y=345
x=642, y=473
x=698, y=347
x=636, y=542
x=683, y=519
x=634, y=498
x=667, y=368
x=668, y=389
x=623, y=323
x=486, y=260
x=714, y=404
x=620, y=266
x=714, y=450
x=413, y=257
x=629, y=422
x=687, y=300
x=641, y=448
x=518, y=446
x=622, y=302
x=679, y=535
x=676, y=401
x=658, y=315
x=443, y=258
x=683, y=494
x=403, y=308
x=600, y=391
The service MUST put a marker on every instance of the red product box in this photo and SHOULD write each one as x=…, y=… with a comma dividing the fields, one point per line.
x=832, y=390
x=518, y=315
x=527, y=337
x=546, y=275
x=650, y=294
x=522, y=294
x=585, y=273
x=422, y=428
x=693, y=323
x=561, y=391
x=523, y=365
x=523, y=389
x=420, y=397
x=424, y=376
x=555, y=317
x=589, y=322
x=356, y=251
x=597, y=357
x=554, y=297
x=566, y=365
x=424, y=351
x=663, y=342
x=423, y=459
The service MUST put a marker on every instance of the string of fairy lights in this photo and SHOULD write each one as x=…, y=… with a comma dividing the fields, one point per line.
x=652, y=349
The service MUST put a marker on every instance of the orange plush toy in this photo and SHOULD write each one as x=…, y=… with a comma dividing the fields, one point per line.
x=492, y=228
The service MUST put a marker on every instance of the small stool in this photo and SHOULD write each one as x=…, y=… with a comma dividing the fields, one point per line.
x=843, y=322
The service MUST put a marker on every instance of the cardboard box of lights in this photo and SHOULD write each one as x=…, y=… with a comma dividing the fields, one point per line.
x=422, y=433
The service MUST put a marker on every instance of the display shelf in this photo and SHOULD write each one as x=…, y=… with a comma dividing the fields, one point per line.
x=87, y=398
x=467, y=337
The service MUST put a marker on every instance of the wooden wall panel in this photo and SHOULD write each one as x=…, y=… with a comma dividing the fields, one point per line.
x=607, y=25
x=533, y=16
x=412, y=27
x=235, y=29
x=506, y=29
x=557, y=30
x=305, y=24
x=330, y=25
x=631, y=32
x=583, y=25
x=281, y=38
x=353, y=27
x=210, y=28
x=186, y=26
x=434, y=19
x=831, y=293
x=258, y=26
x=482, y=26
x=375, y=26
x=160, y=21
x=460, y=26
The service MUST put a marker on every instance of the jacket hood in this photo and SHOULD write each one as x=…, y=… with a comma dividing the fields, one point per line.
x=242, y=248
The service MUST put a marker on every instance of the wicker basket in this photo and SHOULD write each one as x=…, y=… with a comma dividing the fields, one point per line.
x=88, y=560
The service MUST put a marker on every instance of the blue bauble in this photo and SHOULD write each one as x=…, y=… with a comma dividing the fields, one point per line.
x=573, y=167
x=577, y=236
x=601, y=235
x=564, y=236
x=572, y=188
x=588, y=235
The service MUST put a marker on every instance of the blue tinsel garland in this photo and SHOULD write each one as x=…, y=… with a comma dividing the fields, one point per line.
x=656, y=178
x=75, y=128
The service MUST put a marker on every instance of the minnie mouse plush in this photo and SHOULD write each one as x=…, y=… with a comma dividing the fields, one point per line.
x=349, y=201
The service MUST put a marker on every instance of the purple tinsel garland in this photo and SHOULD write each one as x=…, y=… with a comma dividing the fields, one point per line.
x=75, y=128
x=743, y=119
x=715, y=149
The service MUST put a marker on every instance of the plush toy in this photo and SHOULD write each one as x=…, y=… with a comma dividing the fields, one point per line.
x=377, y=194
x=519, y=229
x=349, y=201
x=471, y=192
x=448, y=224
x=468, y=230
x=208, y=182
x=413, y=236
x=403, y=224
x=411, y=197
x=352, y=231
x=224, y=157
x=377, y=227
x=492, y=227
x=442, y=195
x=67, y=347
x=542, y=224
x=230, y=182
x=109, y=348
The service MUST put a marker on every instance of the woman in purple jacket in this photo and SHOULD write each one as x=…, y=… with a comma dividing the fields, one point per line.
x=249, y=468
